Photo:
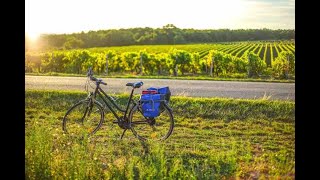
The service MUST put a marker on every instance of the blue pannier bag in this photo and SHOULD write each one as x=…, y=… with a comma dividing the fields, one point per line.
x=165, y=91
x=151, y=104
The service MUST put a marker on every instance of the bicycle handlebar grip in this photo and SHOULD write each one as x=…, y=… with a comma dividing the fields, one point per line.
x=93, y=78
x=103, y=83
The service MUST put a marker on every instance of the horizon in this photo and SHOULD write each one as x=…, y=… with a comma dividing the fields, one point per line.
x=154, y=28
x=67, y=17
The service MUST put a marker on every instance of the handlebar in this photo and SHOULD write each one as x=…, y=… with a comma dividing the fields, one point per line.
x=100, y=81
x=90, y=75
x=103, y=83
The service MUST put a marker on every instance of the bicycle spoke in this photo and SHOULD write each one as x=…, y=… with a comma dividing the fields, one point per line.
x=82, y=120
x=157, y=128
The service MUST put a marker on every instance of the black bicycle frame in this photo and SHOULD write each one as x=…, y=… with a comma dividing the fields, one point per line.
x=100, y=92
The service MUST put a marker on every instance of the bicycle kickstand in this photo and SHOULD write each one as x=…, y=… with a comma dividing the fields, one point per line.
x=123, y=133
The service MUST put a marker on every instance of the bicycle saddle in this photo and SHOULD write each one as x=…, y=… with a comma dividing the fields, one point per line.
x=135, y=85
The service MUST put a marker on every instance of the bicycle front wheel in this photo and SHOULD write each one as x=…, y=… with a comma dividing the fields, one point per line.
x=83, y=119
x=157, y=128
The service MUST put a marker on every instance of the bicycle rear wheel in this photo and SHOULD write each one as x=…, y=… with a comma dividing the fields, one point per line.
x=157, y=128
x=83, y=119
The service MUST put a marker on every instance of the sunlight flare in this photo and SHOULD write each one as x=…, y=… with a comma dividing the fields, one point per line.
x=32, y=36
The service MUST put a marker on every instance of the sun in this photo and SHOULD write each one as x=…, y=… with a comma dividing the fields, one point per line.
x=32, y=36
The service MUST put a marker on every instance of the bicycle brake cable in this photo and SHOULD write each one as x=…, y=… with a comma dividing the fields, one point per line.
x=91, y=85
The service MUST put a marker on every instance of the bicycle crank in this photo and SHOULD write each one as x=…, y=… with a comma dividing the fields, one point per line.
x=124, y=123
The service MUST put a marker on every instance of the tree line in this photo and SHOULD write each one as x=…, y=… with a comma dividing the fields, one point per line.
x=168, y=34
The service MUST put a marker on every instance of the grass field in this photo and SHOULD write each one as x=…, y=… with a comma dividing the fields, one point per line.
x=213, y=138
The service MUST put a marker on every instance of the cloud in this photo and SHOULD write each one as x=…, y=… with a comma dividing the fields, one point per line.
x=61, y=16
x=275, y=14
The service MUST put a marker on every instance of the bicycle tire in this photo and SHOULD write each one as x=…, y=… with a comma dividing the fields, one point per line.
x=80, y=120
x=144, y=129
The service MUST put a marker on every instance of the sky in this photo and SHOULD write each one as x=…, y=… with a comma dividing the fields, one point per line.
x=69, y=16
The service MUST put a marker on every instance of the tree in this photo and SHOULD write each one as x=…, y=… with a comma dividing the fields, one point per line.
x=73, y=43
x=168, y=34
x=169, y=29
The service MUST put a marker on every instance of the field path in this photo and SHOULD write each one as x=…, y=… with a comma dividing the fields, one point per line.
x=194, y=88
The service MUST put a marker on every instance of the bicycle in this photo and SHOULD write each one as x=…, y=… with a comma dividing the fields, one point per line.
x=87, y=116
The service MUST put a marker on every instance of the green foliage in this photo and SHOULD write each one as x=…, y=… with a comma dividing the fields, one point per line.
x=99, y=63
x=195, y=63
x=180, y=58
x=239, y=65
x=73, y=43
x=216, y=58
x=225, y=63
x=50, y=154
x=55, y=61
x=255, y=64
x=168, y=34
x=110, y=54
x=114, y=61
x=148, y=62
x=130, y=61
x=156, y=60
x=33, y=62
x=284, y=65
x=162, y=63
x=38, y=161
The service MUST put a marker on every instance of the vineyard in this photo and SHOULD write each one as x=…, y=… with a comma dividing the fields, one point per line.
x=274, y=59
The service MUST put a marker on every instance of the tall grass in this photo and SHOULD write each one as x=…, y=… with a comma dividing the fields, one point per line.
x=50, y=155
x=213, y=108
x=213, y=138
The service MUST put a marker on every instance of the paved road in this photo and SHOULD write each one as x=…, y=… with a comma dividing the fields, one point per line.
x=247, y=90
